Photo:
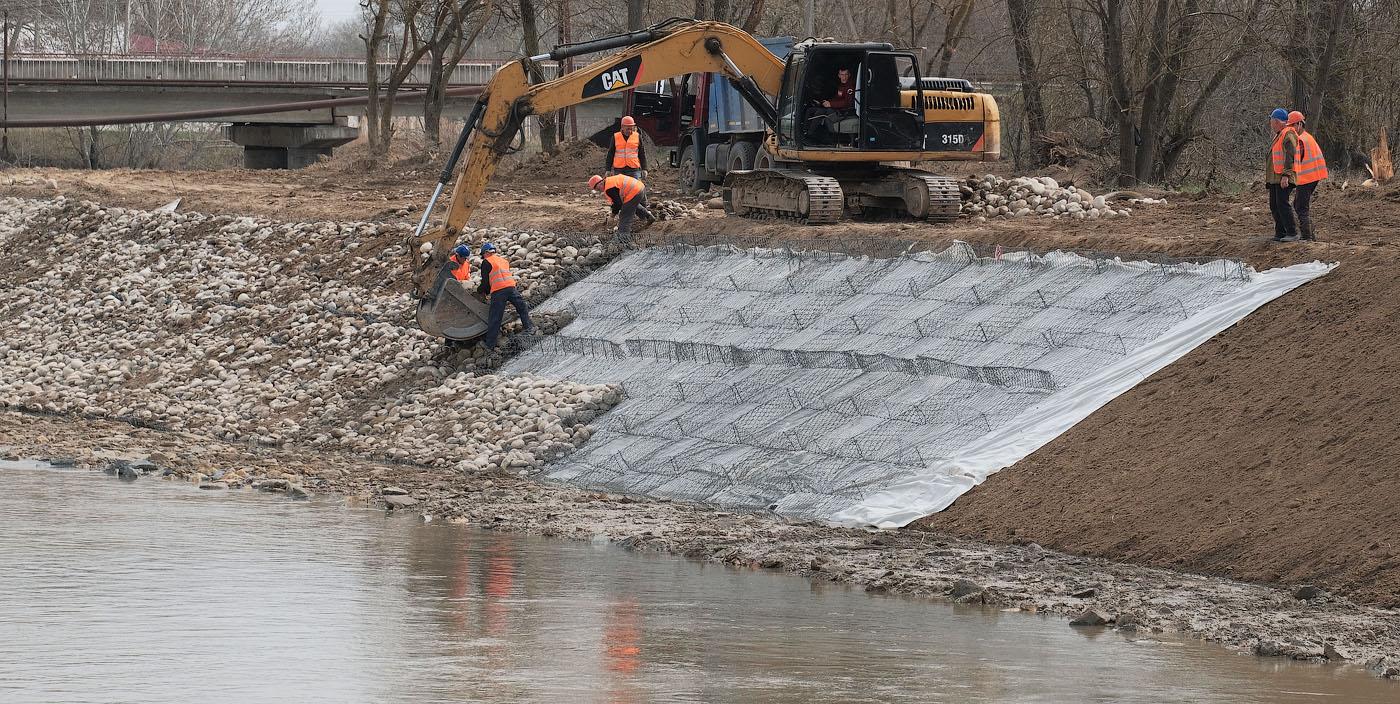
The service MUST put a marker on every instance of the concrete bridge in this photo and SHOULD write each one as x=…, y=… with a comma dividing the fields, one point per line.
x=54, y=89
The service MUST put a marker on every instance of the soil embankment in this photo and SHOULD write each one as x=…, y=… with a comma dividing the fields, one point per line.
x=1269, y=454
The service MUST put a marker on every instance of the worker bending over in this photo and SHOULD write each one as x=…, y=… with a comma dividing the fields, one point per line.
x=496, y=278
x=460, y=263
x=1310, y=168
x=1280, y=174
x=628, y=198
x=626, y=156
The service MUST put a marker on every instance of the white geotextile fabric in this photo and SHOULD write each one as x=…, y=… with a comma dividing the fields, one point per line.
x=898, y=505
x=865, y=391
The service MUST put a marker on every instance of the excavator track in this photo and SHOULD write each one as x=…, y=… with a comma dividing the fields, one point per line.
x=792, y=195
x=929, y=197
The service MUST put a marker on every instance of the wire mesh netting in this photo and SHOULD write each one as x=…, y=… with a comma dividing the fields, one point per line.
x=801, y=380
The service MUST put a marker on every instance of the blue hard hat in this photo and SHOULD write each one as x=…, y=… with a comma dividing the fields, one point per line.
x=488, y=247
x=462, y=250
x=1279, y=114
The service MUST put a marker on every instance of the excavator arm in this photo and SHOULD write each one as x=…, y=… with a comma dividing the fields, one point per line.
x=669, y=49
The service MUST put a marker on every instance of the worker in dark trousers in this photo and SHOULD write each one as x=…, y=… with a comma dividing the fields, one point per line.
x=497, y=279
x=627, y=156
x=1310, y=169
x=628, y=198
x=1280, y=176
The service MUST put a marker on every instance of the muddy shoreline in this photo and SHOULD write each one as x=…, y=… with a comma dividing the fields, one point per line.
x=1142, y=601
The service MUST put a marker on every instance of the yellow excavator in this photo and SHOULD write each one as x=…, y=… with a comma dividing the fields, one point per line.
x=823, y=162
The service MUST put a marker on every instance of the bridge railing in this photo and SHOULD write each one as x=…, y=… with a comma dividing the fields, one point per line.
x=196, y=70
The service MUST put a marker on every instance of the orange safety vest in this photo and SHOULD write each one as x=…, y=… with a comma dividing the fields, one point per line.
x=626, y=150
x=500, y=273
x=1310, y=166
x=1276, y=155
x=463, y=270
x=626, y=185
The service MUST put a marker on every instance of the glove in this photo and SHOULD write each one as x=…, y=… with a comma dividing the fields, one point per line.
x=608, y=172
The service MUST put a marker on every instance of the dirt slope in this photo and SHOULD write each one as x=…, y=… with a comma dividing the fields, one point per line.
x=1271, y=453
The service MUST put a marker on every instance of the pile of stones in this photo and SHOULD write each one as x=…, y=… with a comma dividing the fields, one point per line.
x=992, y=196
x=262, y=331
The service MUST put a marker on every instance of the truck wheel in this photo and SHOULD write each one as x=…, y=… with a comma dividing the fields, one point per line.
x=741, y=156
x=690, y=173
x=765, y=161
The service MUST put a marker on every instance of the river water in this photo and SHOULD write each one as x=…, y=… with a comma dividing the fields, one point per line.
x=159, y=592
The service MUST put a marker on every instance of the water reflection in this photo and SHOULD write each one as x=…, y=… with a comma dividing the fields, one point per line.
x=152, y=592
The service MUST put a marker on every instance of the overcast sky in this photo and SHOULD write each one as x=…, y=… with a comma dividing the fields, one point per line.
x=333, y=11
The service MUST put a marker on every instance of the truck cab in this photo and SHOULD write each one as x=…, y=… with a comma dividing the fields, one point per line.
x=703, y=122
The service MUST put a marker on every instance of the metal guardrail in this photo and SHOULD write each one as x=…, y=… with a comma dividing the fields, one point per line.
x=197, y=70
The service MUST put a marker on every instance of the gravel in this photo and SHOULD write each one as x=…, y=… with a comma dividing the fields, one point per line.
x=268, y=332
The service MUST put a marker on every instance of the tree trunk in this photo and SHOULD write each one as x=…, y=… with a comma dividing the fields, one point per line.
x=1299, y=51
x=1021, y=28
x=433, y=99
x=1121, y=98
x=850, y=19
x=1323, y=75
x=953, y=34
x=719, y=9
x=374, y=42
x=755, y=16
x=92, y=161
x=548, y=137
x=699, y=11
x=636, y=9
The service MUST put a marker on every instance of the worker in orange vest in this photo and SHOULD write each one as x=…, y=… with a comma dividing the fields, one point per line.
x=460, y=263
x=499, y=282
x=626, y=155
x=628, y=198
x=1310, y=169
x=1280, y=174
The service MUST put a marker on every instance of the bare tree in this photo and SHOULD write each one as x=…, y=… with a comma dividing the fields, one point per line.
x=528, y=24
x=398, y=19
x=1022, y=32
x=454, y=27
x=233, y=26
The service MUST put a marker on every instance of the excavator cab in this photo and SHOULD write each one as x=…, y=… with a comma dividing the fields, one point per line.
x=879, y=118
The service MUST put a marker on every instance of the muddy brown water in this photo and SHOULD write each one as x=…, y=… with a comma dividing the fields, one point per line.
x=159, y=592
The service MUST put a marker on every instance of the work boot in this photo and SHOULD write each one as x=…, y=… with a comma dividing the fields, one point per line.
x=1287, y=238
x=1306, y=226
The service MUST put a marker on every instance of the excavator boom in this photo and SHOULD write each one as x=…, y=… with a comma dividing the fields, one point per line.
x=667, y=50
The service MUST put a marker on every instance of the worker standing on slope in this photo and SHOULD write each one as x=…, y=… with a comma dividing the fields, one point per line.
x=628, y=198
x=626, y=156
x=1311, y=169
x=497, y=279
x=1280, y=176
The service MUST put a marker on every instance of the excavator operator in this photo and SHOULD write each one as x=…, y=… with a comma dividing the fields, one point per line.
x=826, y=113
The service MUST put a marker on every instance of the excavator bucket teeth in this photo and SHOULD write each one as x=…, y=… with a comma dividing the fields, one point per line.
x=453, y=313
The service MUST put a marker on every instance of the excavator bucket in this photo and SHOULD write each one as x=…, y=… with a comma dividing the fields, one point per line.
x=452, y=312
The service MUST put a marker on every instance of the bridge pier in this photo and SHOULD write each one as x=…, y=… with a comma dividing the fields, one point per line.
x=274, y=146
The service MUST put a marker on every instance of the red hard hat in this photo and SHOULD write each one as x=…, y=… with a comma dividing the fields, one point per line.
x=593, y=181
x=627, y=121
x=1295, y=117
